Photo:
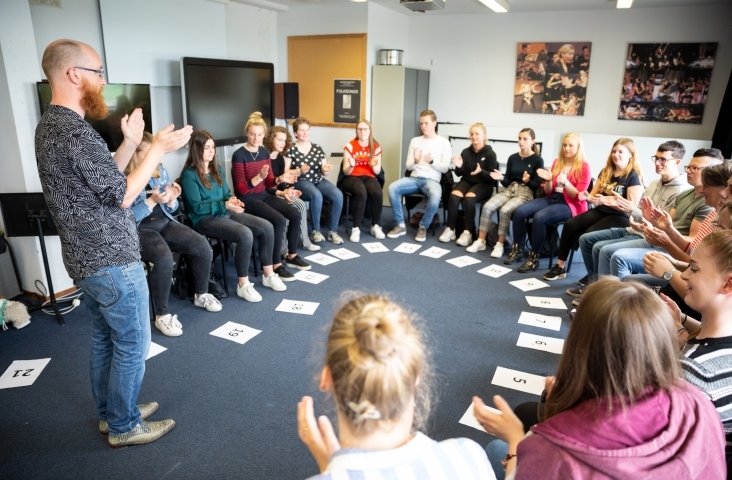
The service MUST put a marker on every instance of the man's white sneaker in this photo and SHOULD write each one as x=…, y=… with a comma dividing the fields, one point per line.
x=274, y=282
x=169, y=325
x=316, y=236
x=355, y=235
x=497, y=250
x=477, y=246
x=465, y=239
x=312, y=247
x=248, y=293
x=448, y=235
x=377, y=232
x=207, y=301
x=335, y=238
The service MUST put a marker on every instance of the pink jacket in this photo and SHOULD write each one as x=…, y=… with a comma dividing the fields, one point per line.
x=576, y=205
x=664, y=436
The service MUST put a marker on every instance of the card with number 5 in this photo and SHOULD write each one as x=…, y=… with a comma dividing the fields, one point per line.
x=297, y=306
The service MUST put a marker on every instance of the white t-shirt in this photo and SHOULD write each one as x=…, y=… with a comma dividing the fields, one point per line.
x=438, y=148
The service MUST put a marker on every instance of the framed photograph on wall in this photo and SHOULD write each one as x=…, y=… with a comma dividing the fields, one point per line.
x=552, y=78
x=666, y=82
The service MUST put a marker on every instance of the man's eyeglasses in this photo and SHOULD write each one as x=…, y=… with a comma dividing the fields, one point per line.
x=692, y=168
x=99, y=72
x=660, y=160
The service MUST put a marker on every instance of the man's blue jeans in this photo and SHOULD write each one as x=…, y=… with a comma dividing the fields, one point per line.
x=408, y=185
x=314, y=193
x=624, y=258
x=591, y=244
x=117, y=299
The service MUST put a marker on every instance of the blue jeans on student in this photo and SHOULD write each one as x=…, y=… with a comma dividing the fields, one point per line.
x=544, y=212
x=592, y=243
x=624, y=258
x=314, y=193
x=118, y=303
x=408, y=185
x=496, y=451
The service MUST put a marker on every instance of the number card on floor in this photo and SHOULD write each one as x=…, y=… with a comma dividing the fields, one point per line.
x=408, y=247
x=309, y=276
x=537, y=342
x=546, y=302
x=22, y=373
x=469, y=419
x=521, y=381
x=494, y=271
x=154, y=350
x=375, y=247
x=528, y=284
x=463, y=261
x=322, y=259
x=343, y=253
x=435, y=252
x=297, y=306
x=541, y=321
x=236, y=332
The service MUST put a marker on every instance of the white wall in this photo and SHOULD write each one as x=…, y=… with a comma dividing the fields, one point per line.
x=472, y=59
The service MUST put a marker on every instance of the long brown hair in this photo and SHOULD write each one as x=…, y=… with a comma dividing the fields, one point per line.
x=607, y=173
x=576, y=163
x=268, y=141
x=195, y=158
x=378, y=362
x=372, y=140
x=621, y=343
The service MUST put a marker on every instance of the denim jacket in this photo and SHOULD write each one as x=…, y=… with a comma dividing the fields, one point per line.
x=141, y=210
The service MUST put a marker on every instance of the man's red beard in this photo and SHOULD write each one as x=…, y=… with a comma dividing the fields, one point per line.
x=92, y=101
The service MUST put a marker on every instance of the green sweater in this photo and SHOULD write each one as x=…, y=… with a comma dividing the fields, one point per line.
x=202, y=201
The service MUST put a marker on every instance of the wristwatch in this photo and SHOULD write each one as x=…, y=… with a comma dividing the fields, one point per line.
x=668, y=275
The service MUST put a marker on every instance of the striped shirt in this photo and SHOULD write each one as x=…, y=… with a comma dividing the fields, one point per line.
x=246, y=165
x=707, y=364
x=708, y=226
x=421, y=458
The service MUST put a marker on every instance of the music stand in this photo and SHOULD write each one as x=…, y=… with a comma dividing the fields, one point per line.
x=27, y=215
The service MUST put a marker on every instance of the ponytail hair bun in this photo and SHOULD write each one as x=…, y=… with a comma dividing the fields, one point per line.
x=378, y=362
x=255, y=120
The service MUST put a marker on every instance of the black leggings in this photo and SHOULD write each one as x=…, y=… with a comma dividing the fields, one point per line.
x=361, y=188
x=592, y=220
x=482, y=192
x=276, y=211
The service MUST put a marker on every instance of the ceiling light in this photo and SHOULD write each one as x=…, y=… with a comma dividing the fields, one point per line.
x=498, y=6
x=359, y=0
x=624, y=4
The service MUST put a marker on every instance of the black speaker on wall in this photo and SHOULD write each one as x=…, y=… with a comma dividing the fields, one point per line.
x=287, y=100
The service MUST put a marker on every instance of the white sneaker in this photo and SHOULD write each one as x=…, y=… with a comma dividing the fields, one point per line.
x=355, y=235
x=335, y=238
x=477, y=246
x=313, y=247
x=169, y=325
x=465, y=239
x=248, y=293
x=207, y=301
x=274, y=282
x=447, y=235
x=316, y=236
x=497, y=250
x=377, y=232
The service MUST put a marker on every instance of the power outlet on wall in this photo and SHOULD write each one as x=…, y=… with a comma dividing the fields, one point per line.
x=46, y=3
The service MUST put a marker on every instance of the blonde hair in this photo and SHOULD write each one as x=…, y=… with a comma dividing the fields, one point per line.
x=255, y=120
x=720, y=249
x=482, y=127
x=428, y=113
x=607, y=173
x=576, y=163
x=60, y=55
x=378, y=362
x=147, y=139
x=622, y=342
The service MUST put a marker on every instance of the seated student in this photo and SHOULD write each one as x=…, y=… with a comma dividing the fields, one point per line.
x=159, y=234
x=687, y=209
x=278, y=142
x=616, y=193
x=377, y=371
x=307, y=161
x=361, y=164
x=428, y=157
x=475, y=165
x=569, y=175
x=216, y=213
x=255, y=186
x=520, y=182
x=706, y=358
x=617, y=407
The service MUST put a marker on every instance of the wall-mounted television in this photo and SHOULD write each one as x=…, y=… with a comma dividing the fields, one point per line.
x=121, y=98
x=219, y=95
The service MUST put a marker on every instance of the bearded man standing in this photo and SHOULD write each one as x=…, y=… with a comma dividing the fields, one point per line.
x=88, y=196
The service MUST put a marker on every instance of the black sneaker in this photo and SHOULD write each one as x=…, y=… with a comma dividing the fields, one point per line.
x=284, y=275
x=297, y=262
x=576, y=292
x=555, y=272
x=583, y=282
